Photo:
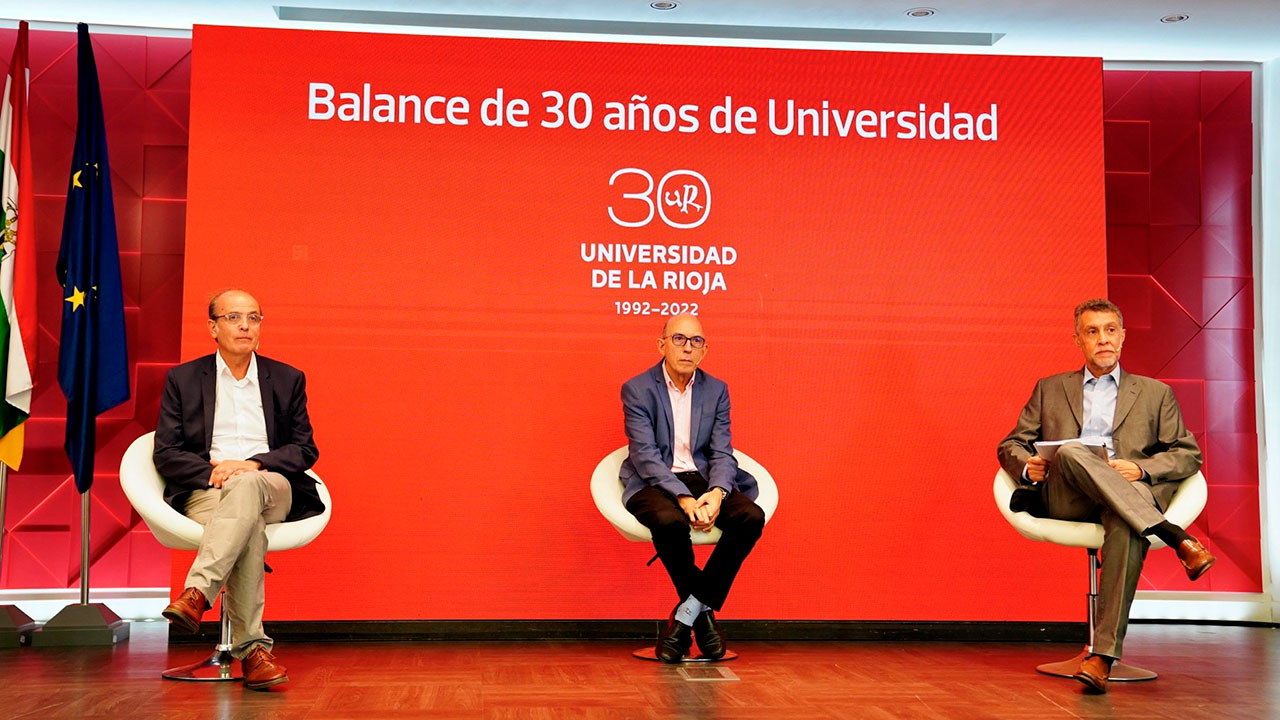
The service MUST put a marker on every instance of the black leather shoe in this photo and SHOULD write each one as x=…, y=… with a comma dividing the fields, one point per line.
x=707, y=632
x=675, y=641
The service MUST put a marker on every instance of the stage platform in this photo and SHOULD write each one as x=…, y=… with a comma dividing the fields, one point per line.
x=1206, y=673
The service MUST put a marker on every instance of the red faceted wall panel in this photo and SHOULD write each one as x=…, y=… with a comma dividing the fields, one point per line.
x=1179, y=148
x=1179, y=162
x=145, y=93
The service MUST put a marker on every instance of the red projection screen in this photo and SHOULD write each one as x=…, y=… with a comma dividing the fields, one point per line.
x=468, y=245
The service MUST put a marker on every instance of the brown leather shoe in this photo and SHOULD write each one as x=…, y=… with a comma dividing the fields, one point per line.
x=1195, y=558
x=261, y=670
x=1093, y=672
x=186, y=611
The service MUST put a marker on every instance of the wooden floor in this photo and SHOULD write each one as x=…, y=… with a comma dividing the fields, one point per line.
x=1207, y=673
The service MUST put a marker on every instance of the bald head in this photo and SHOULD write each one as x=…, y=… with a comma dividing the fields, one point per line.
x=680, y=320
x=228, y=295
x=682, y=346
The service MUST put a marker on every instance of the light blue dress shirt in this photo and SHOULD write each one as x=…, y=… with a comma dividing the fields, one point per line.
x=1100, y=408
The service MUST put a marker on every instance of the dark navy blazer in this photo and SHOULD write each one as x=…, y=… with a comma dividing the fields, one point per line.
x=184, y=431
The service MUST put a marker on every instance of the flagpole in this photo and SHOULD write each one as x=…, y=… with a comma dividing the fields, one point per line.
x=84, y=548
x=15, y=626
x=4, y=481
x=93, y=364
x=82, y=623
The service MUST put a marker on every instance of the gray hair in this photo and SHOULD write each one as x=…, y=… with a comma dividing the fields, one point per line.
x=1098, y=305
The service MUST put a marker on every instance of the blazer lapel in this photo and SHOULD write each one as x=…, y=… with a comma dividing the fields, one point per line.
x=1073, y=385
x=208, y=396
x=664, y=401
x=1126, y=396
x=268, y=402
x=695, y=414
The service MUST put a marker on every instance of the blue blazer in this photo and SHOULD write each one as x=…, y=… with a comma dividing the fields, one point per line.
x=646, y=409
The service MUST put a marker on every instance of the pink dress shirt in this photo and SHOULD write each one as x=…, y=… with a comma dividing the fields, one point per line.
x=682, y=419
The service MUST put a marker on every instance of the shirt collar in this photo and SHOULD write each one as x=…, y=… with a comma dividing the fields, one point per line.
x=671, y=383
x=1114, y=374
x=224, y=370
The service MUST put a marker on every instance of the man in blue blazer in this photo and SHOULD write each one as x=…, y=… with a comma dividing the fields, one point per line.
x=681, y=476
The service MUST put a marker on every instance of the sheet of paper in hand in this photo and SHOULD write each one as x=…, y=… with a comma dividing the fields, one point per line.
x=1048, y=449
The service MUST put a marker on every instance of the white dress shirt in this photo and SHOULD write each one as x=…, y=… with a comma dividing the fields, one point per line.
x=682, y=419
x=239, y=429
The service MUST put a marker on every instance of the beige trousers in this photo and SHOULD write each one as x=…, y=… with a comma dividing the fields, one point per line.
x=234, y=548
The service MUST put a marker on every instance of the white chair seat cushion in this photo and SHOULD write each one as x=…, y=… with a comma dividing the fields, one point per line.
x=145, y=489
x=606, y=490
x=1187, y=503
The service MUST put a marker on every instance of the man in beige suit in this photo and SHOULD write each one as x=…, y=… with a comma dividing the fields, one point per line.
x=1137, y=420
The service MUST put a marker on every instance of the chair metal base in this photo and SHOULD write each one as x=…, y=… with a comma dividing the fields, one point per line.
x=1120, y=672
x=649, y=653
x=221, y=666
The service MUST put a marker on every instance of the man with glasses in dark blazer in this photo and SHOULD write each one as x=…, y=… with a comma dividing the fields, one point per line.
x=681, y=477
x=233, y=443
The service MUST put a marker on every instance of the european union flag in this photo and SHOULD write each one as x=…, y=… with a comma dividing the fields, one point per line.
x=93, y=364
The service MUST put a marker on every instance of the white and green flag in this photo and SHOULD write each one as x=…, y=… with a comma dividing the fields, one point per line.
x=17, y=265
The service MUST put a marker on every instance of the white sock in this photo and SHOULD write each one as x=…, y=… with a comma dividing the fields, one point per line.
x=691, y=608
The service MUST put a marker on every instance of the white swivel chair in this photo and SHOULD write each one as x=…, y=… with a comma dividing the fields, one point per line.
x=145, y=489
x=1187, y=503
x=606, y=490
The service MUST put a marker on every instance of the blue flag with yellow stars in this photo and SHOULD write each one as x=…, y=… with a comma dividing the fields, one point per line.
x=93, y=364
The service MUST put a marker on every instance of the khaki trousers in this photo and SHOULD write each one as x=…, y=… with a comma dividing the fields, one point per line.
x=234, y=547
x=1082, y=486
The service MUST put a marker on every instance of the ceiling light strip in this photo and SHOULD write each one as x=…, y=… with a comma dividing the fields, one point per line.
x=623, y=27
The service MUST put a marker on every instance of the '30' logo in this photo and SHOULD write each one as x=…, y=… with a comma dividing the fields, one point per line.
x=682, y=200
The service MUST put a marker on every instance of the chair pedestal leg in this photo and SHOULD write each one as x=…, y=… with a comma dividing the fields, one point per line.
x=1120, y=671
x=221, y=666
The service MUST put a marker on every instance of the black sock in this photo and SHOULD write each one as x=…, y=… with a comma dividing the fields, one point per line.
x=1171, y=534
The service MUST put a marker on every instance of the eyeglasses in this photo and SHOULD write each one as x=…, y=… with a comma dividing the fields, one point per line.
x=235, y=317
x=697, y=341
